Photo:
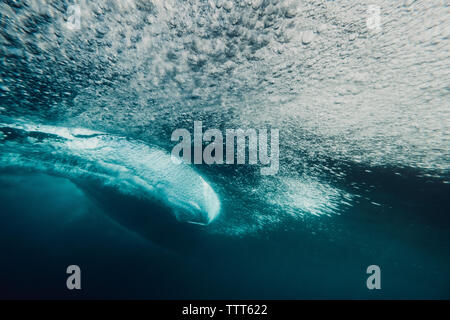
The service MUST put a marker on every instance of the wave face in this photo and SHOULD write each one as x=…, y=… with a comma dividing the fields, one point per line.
x=129, y=166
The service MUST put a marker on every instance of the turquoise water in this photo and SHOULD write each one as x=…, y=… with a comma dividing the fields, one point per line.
x=86, y=176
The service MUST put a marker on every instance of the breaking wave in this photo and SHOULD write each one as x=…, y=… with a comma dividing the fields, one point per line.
x=129, y=166
x=346, y=100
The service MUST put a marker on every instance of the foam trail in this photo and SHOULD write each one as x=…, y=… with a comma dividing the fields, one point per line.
x=130, y=166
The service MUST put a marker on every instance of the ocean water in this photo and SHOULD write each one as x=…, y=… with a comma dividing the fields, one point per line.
x=91, y=91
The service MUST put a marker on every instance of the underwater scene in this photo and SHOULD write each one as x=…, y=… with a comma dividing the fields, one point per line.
x=224, y=149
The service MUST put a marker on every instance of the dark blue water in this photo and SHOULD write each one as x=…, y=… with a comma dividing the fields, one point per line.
x=48, y=223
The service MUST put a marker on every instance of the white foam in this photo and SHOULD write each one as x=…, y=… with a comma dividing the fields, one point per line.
x=131, y=166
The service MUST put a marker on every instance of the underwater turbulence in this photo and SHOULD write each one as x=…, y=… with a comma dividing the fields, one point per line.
x=129, y=166
x=353, y=94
